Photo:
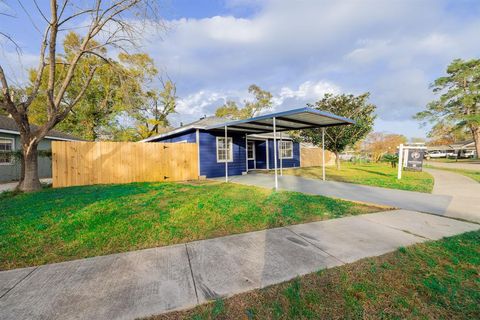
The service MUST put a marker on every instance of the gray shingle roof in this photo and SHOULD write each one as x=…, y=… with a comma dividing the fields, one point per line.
x=198, y=124
x=9, y=124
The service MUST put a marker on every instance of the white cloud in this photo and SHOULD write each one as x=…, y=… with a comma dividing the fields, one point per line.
x=307, y=92
x=299, y=50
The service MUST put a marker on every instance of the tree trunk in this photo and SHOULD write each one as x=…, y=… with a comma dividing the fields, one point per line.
x=337, y=160
x=30, y=181
x=476, y=139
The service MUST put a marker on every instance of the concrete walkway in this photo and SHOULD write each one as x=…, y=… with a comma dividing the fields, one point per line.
x=417, y=201
x=464, y=193
x=153, y=281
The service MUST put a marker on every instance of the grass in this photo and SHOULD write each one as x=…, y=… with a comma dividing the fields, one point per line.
x=372, y=174
x=453, y=160
x=475, y=175
x=433, y=280
x=55, y=225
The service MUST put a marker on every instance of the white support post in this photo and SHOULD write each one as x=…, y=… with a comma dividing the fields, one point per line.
x=275, y=151
x=323, y=154
x=246, y=153
x=281, y=157
x=400, y=161
x=227, y=153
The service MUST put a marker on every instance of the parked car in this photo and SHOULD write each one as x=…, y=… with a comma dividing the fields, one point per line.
x=435, y=154
x=467, y=154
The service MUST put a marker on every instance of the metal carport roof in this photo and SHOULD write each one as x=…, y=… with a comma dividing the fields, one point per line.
x=295, y=119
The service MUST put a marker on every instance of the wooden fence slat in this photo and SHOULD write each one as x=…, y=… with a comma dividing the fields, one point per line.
x=312, y=157
x=85, y=163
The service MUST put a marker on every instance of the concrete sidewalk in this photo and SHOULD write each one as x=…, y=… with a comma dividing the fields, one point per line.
x=409, y=200
x=153, y=281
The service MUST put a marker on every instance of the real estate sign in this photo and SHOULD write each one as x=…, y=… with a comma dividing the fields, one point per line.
x=414, y=159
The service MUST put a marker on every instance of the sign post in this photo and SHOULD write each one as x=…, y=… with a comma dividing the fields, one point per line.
x=410, y=157
x=400, y=161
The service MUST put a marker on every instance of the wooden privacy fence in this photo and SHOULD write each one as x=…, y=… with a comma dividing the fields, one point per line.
x=85, y=163
x=312, y=157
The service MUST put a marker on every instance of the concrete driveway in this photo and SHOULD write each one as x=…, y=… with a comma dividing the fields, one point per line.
x=409, y=200
x=464, y=193
x=454, y=195
x=152, y=281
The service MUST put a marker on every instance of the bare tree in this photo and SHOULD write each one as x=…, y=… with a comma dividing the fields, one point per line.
x=114, y=23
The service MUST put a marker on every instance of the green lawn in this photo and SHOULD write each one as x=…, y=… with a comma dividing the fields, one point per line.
x=433, y=280
x=372, y=174
x=453, y=160
x=54, y=225
x=475, y=175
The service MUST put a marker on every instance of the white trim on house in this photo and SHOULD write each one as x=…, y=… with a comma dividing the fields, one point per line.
x=229, y=149
x=182, y=141
x=197, y=139
x=283, y=149
x=169, y=133
x=12, y=162
x=253, y=150
x=46, y=137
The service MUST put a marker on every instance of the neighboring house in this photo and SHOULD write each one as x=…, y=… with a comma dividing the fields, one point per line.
x=462, y=149
x=10, y=168
x=213, y=151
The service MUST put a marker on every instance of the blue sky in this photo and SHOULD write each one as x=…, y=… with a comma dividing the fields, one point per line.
x=298, y=50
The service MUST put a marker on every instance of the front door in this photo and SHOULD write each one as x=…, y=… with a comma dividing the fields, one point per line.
x=261, y=154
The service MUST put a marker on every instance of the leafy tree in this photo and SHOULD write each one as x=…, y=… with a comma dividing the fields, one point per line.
x=153, y=116
x=458, y=107
x=442, y=134
x=378, y=144
x=340, y=137
x=117, y=87
x=108, y=24
x=263, y=101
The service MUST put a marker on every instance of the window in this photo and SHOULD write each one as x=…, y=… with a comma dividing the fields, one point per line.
x=6, y=146
x=224, y=151
x=251, y=150
x=286, y=149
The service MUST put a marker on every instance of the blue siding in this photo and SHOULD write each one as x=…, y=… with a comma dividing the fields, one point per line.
x=209, y=166
x=189, y=136
x=287, y=163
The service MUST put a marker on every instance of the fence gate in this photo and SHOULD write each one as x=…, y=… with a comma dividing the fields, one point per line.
x=86, y=163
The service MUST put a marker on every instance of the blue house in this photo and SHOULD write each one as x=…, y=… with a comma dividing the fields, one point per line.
x=235, y=147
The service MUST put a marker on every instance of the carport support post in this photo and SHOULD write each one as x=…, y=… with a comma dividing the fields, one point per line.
x=226, y=155
x=246, y=153
x=323, y=154
x=275, y=151
x=281, y=156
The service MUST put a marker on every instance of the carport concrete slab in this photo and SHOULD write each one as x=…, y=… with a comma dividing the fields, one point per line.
x=422, y=224
x=234, y=264
x=121, y=286
x=9, y=279
x=353, y=238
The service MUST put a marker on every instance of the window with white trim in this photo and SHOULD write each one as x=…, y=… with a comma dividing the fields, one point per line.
x=286, y=149
x=224, y=150
x=6, y=147
x=251, y=150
